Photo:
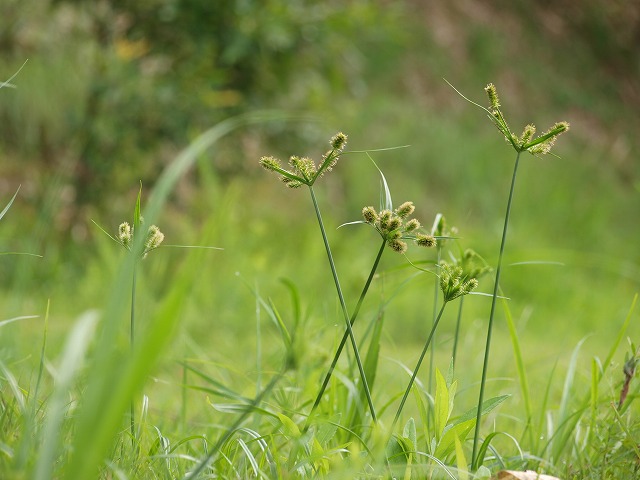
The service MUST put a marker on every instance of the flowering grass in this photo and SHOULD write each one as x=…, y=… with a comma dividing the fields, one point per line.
x=317, y=406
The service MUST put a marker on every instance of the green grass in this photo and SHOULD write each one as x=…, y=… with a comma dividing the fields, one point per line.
x=224, y=376
x=211, y=338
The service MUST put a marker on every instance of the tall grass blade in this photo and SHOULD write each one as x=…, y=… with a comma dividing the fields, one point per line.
x=113, y=381
x=72, y=358
x=522, y=373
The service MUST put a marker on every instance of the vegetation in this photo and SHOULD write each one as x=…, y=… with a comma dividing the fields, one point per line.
x=274, y=350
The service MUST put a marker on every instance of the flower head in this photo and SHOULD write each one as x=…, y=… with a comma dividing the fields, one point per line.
x=154, y=238
x=303, y=170
x=394, y=227
x=453, y=283
x=125, y=234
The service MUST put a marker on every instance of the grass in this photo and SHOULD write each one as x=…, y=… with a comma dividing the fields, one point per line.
x=222, y=399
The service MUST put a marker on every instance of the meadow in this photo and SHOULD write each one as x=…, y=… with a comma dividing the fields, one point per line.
x=240, y=310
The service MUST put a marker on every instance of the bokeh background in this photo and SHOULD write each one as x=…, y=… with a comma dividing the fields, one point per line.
x=113, y=90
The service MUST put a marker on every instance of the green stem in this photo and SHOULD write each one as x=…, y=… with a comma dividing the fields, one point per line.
x=343, y=304
x=131, y=340
x=491, y=315
x=457, y=334
x=327, y=377
x=415, y=370
x=436, y=290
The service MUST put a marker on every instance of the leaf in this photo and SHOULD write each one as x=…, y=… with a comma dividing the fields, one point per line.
x=487, y=406
x=398, y=450
x=447, y=442
x=409, y=431
x=441, y=404
x=461, y=461
x=289, y=427
x=327, y=430
x=9, y=204
x=136, y=212
x=387, y=204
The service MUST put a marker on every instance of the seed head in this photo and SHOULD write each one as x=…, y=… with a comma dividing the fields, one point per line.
x=395, y=223
x=369, y=214
x=270, y=163
x=125, y=234
x=154, y=239
x=404, y=210
x=397, y=245
x=411, y=225
x=527, y=134
x=338, y=141
x=453, y=283
x=494, y=101
x=424, y=240
x=384, y=220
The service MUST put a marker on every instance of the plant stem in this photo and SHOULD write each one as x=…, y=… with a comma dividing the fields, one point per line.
x=491, y=315
x=436, y=290
x=457, y=334
x=344, y=306
x=131, y=340
x=327, y=377
x=417, y=367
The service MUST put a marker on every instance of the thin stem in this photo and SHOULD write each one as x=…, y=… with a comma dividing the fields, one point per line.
x=491, y=315
x=343, y=304
x=327, y=377
x=436, y=290
x=131, y=340
x=457, y=334
x=415, y=370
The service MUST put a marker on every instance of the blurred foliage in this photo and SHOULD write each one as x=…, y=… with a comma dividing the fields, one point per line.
x=142, y=77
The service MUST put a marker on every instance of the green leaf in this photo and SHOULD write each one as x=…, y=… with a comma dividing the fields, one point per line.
x=461, y=461
x=487, y=406
x=441, y=404
x=409, y=431
x=327, y=429
x=289, y=427
x=136, y=212
x=459, y=431
x=9, y=204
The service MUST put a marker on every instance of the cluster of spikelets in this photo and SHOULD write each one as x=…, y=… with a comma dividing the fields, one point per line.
x=395, y=227
x=153, y=240
x=540, y=145
x=455, y=282
x=304, y=170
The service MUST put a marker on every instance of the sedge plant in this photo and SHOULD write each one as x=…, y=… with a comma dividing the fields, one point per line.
x=525, y=143
x=304, y=171
x=453, y=283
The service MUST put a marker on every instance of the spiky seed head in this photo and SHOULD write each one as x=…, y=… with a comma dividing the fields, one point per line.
x=329, y=160
x=338, y=141
x=395, y=223
x=154, y=238
x=270, y=163
x=559, y=127
x=527, y=134
x=494, y=101
x=304, y=166
x=125, y=234
x=397, y=245
x=369, y=214
x=406, y=209
x=424, y=240
x=291, y=183
x=394, y=235
x=411, y=225
x=384, y=219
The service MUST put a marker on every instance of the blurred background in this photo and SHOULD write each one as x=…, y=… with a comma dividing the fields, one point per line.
x=113, y=90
